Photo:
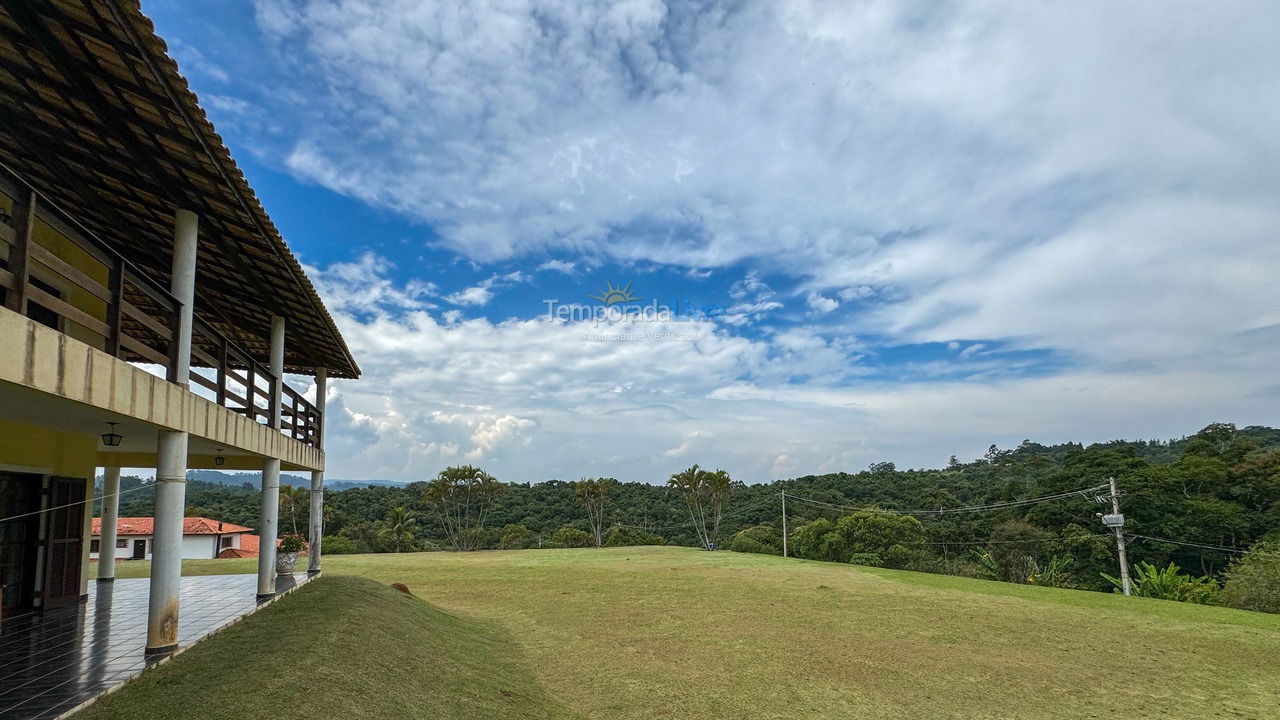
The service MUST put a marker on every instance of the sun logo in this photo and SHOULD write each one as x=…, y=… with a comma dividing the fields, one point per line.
x=613, y=295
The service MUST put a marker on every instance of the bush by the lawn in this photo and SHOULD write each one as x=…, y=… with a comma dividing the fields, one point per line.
x=763, y=539
x=1253, y=581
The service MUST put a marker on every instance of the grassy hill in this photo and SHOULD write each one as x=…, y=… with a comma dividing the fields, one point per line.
x=341, y=647
x=680, y=633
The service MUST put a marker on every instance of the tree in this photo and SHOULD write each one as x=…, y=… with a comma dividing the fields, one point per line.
x=570, y=536
x=704, y=493
x=399, y=529
x=516, y=537
x=620, y=536
x=290, y=498
x=591, y=493
x=764, y=539
x=463, y=496
x=1253, y=581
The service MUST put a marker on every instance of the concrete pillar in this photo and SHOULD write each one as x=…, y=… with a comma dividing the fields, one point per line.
x=317, y=482
x=166, y=552
x=277, y=367
x=171, y=456
x=269, y=517
x=110, y=514
x=183, y=287
x=268, y=521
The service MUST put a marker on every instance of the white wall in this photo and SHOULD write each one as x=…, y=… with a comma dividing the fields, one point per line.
x=195, y=547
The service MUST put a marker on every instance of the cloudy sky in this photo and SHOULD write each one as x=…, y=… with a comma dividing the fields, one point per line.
x=886, y=230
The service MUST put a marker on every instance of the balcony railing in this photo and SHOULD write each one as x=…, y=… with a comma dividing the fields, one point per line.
x=79, y=286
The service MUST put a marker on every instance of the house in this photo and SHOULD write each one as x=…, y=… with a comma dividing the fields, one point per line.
x=202, y=538
x=151, y=315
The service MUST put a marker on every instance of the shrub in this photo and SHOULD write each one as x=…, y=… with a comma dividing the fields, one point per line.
x=337, y=545
x=1013, y=549
x=620, y=536
x=866, y=558
x=1253, y=581
x=1055, y=573
x=293, y=544
x=516, y=537
x=764, y=539
x=570, y=536
x=883, y=539
x=1168, y=584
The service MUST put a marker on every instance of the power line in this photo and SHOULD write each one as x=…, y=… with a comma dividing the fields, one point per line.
x=73, y=504
x=1191, y=544
x=735, y=513
x=947, y=511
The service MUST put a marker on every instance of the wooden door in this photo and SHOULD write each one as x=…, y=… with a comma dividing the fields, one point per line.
x=19, y=538
x=64, y=538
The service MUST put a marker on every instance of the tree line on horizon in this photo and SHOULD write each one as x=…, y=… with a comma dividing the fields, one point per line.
x=1217, y=489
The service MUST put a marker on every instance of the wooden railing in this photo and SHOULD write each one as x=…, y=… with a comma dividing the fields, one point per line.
x=93, y=294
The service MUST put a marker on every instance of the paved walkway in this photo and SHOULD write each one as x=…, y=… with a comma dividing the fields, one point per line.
x=52, y=662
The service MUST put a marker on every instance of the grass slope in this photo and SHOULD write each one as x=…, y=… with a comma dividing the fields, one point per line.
x=340, y=647
x=680, y=633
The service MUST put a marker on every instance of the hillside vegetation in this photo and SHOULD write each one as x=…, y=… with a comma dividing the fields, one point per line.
x=662, y=633
x=1218, y=491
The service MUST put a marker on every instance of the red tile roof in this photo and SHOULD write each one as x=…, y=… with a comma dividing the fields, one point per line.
x=237, y=553
x=190, y=526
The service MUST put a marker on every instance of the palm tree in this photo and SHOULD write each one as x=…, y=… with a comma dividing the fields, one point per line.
x=704, y=493
x=591, y=493
x=462, y=496
x=399, y=527
x=290, y=498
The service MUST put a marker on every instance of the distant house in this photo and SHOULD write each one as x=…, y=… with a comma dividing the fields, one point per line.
x=202, y=538
x=248, y=547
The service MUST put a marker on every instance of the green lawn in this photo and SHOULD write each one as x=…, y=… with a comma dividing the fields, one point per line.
x=681, y=633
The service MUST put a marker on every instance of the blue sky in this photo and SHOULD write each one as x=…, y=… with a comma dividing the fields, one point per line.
x=926, y=227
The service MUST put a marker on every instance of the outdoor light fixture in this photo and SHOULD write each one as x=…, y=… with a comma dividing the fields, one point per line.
x=111, y=438
x=219, y=460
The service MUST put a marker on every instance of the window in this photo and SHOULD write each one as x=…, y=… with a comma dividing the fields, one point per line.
x=93, y=545
x=122, y=543
x=225, y=541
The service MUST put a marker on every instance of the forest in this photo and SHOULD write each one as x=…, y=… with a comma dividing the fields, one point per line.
x=1197, y=502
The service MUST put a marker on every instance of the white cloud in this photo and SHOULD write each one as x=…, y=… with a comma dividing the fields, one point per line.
x=533, y=399
x=820, y=303
x=562, y=266
x=480, y=295
x=475, y=295
x=965, y=164
x=1097, y=180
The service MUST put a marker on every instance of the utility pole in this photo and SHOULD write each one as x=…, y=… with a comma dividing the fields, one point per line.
x=1115, y=521
x=784, y=523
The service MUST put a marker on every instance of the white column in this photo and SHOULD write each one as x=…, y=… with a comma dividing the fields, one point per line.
x=317, y=481
x=268, y=519
x=267, y=523
x=277, y=368
x=183, y=286
x=166, y=542
x=171, y=457
x=110, y=516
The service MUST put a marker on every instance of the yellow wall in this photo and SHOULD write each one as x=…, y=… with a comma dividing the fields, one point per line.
x=67, y=251
x=58, y=453
x=44, y=451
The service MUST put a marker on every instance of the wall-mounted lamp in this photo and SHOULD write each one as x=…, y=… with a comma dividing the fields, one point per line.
x=112, y=438
x=219, y=460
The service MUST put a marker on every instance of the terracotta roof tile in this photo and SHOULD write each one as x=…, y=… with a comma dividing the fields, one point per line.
x=190, y=526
